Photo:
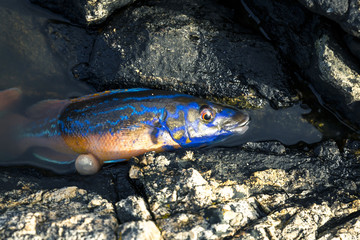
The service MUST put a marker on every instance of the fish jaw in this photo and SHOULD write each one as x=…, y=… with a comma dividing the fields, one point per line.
x=238, y=124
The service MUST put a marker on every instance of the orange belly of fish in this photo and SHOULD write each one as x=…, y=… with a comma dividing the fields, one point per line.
x=121, y=145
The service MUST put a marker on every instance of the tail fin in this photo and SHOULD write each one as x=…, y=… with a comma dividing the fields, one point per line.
x=18, y=133
x=41, y=128
x=9, y=122
x=9, y=125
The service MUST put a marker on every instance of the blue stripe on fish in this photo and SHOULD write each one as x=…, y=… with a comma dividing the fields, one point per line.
x=115, y=161
x=128, y=99
x=116, y=111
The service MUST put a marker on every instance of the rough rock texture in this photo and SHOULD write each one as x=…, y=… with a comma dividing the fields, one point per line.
x=133, y=208
x=314, y=46
x=166, y=44
x=146, y=230
x=84, y=12
x=65, y=213
x=247, y=193
x=344, y=12
x=195, y=47
x=37, y=205
x=252, y=194
x=260, y=190
x=338, y=75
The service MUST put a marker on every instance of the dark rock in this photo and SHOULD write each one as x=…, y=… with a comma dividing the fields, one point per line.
x=338, y=77
x=313, y=46
x=345, y=13
x=265, y=147
x=84, y=12
x=28, y=62
x=133, y=208
x=354, y=45
x=191, y=47
x=72, y=44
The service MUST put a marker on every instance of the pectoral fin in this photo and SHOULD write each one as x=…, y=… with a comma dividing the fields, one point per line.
x=51, y=156
x=85, y=164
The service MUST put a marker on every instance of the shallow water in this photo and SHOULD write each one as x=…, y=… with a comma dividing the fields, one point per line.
x=285, y=125
x=294, y=125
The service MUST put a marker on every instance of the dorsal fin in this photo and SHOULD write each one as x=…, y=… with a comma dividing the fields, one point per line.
x=8, y=97
x=46, y=108
x=107, y=93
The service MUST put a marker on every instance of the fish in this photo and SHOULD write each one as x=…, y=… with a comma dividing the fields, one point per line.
x=116, y=125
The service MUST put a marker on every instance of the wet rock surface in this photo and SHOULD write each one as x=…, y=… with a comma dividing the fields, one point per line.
x=345, y=13
x=205, y=54
x=257, y=190
x=192, y=46
x=314, y=45
x=85, y=12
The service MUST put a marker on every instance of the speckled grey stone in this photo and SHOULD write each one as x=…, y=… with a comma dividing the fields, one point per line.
x=248, y=194
x=146, y=230
x=66, y=213
x=133, y=208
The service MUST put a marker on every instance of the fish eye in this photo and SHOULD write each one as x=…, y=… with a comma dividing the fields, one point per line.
x=206, y=114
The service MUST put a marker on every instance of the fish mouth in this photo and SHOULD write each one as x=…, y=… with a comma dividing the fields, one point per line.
x=239, y=124
x=245, y=120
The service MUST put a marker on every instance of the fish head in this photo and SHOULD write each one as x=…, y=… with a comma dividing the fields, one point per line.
x=200, y=123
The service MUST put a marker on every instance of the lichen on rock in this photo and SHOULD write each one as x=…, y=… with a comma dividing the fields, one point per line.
x=65, y=213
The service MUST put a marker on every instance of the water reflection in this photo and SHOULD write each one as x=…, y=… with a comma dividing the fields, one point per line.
x=285, y=125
